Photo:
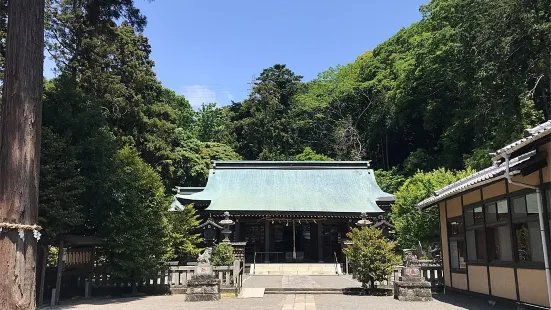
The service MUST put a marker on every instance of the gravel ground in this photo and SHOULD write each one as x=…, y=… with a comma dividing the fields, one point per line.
x=277, y=302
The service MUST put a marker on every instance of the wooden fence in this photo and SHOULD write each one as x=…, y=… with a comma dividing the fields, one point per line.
x=230, y=276
x=172, y=279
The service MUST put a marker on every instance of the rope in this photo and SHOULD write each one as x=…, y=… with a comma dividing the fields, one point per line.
x=20, y=226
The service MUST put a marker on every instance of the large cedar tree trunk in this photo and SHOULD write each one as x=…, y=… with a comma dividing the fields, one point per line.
x=20, y=120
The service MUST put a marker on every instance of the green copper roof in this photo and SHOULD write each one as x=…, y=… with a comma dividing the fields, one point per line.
x=291, y=186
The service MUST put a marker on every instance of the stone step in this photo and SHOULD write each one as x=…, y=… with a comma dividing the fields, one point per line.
x=294, y=269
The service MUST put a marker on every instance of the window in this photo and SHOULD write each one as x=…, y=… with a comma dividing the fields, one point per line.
x=456, y=239
x=476, y=245
x=457, y=254
x=497, y=212
x=532, y=203
x=455, y=228
x=498, y=233
x=469, y=217
x=525, y=205
x=526, y=228
x=519, y=206
x=529, y=246
x=499, y=243
x=475, y=234
x=478, y=216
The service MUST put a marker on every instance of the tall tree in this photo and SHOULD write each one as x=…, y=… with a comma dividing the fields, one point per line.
x=3, y=37
x=20, y=121
x=136, y=232
x=265, y=128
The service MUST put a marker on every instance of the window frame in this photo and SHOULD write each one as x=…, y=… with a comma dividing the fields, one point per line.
x=476, y=227
x=510, y=222
x=459, y=237
x=524, y=220
x=490, y=227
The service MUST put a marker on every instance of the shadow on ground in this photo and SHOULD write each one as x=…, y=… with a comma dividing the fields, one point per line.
x=96, y=301
x=472, y=302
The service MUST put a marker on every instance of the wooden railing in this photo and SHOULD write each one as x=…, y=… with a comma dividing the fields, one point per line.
x=171, y=279
x=179, y=275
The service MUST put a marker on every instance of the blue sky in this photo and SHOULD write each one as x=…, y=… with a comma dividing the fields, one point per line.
x=209, y=50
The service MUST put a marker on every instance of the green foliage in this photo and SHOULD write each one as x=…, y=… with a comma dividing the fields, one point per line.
x=136, y=232
x=77, y=160
x=61, y=186
x=389, y=181
x=370, y=254
x=53, y=253
x=214, y=124
x=264, y=122
x=195, y=160
x=444, y=92
x=309, y=154
x=411, y=224
x=223, y=255
x=182, y=227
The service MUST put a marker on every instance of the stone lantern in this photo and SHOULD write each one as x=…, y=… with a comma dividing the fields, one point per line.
x=364, y=221
x=226, y=223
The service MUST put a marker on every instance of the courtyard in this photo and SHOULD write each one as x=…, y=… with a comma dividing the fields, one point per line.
x=280, y=302
x=291, y=295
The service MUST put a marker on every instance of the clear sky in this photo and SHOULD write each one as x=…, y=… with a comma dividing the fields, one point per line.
x=209, y=50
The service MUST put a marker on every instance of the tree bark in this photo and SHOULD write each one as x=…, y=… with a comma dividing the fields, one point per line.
x=20, y=120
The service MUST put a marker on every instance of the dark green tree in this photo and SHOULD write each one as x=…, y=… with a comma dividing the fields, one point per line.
x=265, y=126
x=136, y=232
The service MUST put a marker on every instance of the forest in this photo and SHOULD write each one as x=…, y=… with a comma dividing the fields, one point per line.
x=426, y=106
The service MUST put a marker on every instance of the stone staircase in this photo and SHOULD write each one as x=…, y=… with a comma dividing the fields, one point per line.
x=294, y=269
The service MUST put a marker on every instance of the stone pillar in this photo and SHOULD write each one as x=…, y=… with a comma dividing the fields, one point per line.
x=320, y=242
x=267, y=241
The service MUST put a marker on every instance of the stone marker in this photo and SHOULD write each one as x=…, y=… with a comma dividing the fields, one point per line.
x=413, y=286
x=203, y=288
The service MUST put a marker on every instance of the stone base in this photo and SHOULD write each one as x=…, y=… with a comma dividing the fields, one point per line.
x=412, y=291
x=205, y=297
x=203, y=288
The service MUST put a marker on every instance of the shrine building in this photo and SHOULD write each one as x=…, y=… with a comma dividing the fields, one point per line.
x=291, y=211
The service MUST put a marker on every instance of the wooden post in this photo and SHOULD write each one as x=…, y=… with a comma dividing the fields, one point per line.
x=87, y=288
x=20, y=123
x=59, y=271
x=267, y=241
x=52, y=299
x=45, y=251
x=320, y=242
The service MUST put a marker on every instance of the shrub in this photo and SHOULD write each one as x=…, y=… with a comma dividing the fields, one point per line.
x=371, y=255
x=223, y=255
